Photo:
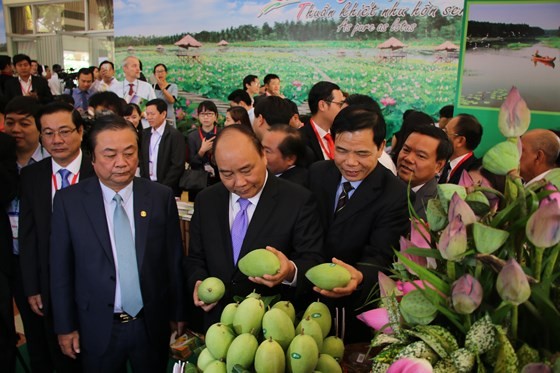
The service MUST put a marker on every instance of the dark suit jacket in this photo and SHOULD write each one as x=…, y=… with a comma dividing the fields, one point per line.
x=285, y=218
x=365, y=232
x=8, y=190
x=314, y=150
x=423, y=195
x=83, y=284
x=12, y=88
x=470, y=163
x=35, y=225
x=296, y=174
x=171, y=157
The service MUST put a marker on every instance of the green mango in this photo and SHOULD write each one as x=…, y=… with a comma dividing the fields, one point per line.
x=228, y=313
x=328, y=276
x=327, y=363
x=204, y=359
x=277, y=325
x=249, y=316
x=211, y=290
x=218, y=338
x=242, y=351
x=333, y=346
x=254, y=294
x=302, y=355
x=216, y=367
x=270, y=357
x=309, y=326
x=320, y=313
x=259, y=262
x=190, y=368
x=287, y=307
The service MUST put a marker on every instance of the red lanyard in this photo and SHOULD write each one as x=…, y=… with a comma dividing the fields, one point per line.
x=459, y=164
x=326, y=150
x=74, y=180
x=202, y=136
x=23, y=91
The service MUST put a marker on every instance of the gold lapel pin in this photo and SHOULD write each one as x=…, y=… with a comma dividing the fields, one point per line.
x=143, y=214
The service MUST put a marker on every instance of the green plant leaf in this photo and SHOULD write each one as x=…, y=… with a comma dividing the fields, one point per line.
x=425, y=274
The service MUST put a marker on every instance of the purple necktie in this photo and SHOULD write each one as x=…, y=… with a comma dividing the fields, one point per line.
x=239, y=228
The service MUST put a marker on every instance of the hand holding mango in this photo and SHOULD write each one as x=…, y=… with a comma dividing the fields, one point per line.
x=285, y=270
x=336, y=279
x=200, y=303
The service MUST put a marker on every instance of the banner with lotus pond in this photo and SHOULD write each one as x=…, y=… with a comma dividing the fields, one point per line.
x=403, y=53
x=510, y=43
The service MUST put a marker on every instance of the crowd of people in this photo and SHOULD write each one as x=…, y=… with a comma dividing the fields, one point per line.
x=91, y=247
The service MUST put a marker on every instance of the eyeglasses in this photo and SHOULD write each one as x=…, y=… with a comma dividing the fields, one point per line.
x=339, y=103
x=206, y=114
x=63, y=132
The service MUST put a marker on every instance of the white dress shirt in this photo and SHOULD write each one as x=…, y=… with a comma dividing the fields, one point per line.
x=155, y=140
x=73, y=167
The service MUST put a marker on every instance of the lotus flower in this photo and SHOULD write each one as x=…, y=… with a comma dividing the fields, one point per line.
x=502, y=158
x=421, y=260
x=387, y=286
x=410, y=365
x=388, y=101
x=297, y=83
x=512, y=283
x=536, y=368
x=543, y=227
x=466, y=294
x=458, y=206
x=376, y=319
x=453, y=240
x=446, y=191
x=514, y=116
x=488, y=239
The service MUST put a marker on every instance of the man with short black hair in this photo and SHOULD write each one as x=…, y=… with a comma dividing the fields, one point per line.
x=6, y=70
x=272, y=85
x=251, y=85
x=84, y=91
x=26, y=84
x=271, y=110
x=465, y=132
x=241, y=98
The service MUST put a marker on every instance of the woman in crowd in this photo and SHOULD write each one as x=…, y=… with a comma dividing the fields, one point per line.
x=237, y=115
x=168, y=92
x=133, y=114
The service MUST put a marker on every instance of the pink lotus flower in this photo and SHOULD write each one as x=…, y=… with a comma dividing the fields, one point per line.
x=410, y=365
x=453, y=240
x=514, y=116
x=387, y=286
x=421, y=260
x=376, y=319
x=543, y=227
x=297, y=83
x=388, y=101
x=466, y=294
x=512, y=284
x=458, y=206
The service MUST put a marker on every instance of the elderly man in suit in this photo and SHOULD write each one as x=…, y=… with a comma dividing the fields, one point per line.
x=116, y=245
x=362, y=207
x=61, y=129
x=26, y=84
x=538, y=157
x=248, y=210
x=423, y=155
x=163, y=148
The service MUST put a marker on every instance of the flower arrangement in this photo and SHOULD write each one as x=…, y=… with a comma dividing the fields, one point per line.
x=476, y=287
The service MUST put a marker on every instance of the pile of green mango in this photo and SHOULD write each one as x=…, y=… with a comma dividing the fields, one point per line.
x=249, y=338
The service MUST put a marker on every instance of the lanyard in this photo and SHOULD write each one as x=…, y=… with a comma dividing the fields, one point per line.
x=25, y=92
x=156, y=144
x=326, y=150
x=459, y=164
x=202, y=136
x=55, y=183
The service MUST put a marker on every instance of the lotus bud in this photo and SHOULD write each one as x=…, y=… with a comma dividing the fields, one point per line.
x=376, y=319
x=421, y=260
x=387, y=286
x=466, y=180
x=488, y=239
x=466, y=294
x=536, y=368
x=446, y=191
x=478, y=202
x=543, y=227
x=419, y=234
x=453, y=240
x=410, y=365
x=514, y=116
x=502, y=158
x=437, y=217
x=458, y=206
x=512, y=283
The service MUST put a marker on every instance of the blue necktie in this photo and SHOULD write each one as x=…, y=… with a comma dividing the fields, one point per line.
x=64, y=173
x=239, y=228
x=84, y=100
x=343, y=198
x=131, y=296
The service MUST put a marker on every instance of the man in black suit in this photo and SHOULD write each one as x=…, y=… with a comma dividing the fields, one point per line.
x=363, y=209
x=116, y=247
x=279, y=215
x=26, y=84
x=271, y=110
x=163, y=150
x=61, y=130
x=464, y=132
x=8, y=188
x=423, y=155
x=285, y=151
x=325, y=102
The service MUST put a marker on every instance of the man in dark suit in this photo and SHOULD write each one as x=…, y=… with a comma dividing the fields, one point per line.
x=325, y=102
x=363, y=209
x=423, y=155
x=464, y=132
x=163, y=150
x=61, y=130
x=8, y=188
x=116, y=247
x=285, y=151
x=268, y=111
x=26, y=84
x=279, y=216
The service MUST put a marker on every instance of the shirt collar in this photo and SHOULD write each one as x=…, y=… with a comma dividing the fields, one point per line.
x=320, y=131
x=39, y=154
x=160, y=129
x=417, y=187
x=538, y=177
x=254, y=200
x=453, y=163
x=109, y=193
x=73, y=166
x=355, y=184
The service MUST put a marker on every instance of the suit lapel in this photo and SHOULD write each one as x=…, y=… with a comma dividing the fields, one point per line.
x=142, y=215
x=163, y=146
x=222, y=214
x=332, y=181
x=95, y=210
